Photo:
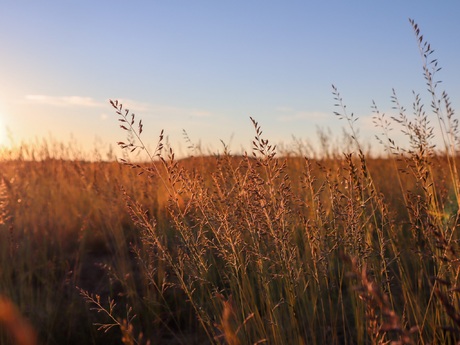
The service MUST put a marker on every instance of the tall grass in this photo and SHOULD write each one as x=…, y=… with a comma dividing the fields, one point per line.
x=262, y=254
x=267, y=247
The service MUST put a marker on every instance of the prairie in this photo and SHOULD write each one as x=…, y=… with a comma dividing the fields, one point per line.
x=263, y=248
x=237, y=226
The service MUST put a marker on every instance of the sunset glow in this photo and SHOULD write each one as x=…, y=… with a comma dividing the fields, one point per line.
x=4, y=141
x=207, y=67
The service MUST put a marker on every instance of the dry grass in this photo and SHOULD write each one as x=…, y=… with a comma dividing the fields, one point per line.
x=337, y=248
x=19, y=330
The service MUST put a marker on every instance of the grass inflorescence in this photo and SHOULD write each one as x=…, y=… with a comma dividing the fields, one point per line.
x=268, y=247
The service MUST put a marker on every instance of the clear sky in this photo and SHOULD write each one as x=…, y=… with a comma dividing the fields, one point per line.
x=206, y=66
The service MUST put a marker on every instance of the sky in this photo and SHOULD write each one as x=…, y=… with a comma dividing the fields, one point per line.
x=207, y=66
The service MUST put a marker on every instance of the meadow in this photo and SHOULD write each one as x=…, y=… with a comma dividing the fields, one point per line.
x=269, y=247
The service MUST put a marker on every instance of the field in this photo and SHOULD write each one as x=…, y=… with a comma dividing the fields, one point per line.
x=264, y=248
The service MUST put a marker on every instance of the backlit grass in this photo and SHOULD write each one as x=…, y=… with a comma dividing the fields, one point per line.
x=339, y=248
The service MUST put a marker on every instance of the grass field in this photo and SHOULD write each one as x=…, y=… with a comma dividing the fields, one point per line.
x=260, y=248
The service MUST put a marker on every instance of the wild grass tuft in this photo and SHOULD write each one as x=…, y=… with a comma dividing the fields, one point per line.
x=258, y=252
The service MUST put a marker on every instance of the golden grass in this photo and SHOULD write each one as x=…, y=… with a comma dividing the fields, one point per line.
x=256, y=258
x=251, y=249
x=19, y=329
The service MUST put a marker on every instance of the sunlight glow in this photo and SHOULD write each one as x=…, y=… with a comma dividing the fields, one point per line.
x=3, y=132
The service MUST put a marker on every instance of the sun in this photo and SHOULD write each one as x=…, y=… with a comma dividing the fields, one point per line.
x=3, y=132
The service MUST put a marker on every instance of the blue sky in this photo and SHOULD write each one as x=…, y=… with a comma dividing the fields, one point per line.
x=206, y=66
